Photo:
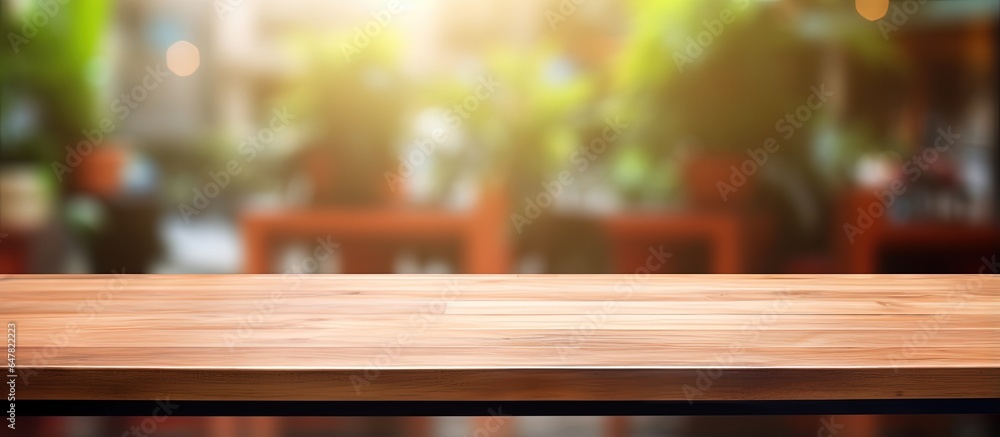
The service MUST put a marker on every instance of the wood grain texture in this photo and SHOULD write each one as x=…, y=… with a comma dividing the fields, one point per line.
x=505, y=337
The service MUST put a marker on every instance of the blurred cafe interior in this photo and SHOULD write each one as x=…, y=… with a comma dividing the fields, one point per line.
x=517, y=136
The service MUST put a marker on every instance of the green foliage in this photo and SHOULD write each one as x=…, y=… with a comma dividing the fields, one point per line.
x=53, y=72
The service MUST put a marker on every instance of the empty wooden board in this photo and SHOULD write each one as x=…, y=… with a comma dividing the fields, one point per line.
x=505, y=337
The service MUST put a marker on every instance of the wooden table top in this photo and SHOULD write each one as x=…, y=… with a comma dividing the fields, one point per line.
x=505, y=337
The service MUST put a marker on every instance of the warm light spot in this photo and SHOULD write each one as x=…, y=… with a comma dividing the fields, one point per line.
x=183, y=58
x=872, y=9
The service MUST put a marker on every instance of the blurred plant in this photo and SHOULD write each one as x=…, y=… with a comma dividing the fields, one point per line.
x=727, y=97
x=540, y=113
x=349, y=112
x=49, y=76
x=525, y=130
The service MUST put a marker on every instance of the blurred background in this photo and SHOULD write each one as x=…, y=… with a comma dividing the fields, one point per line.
x=518, y=136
